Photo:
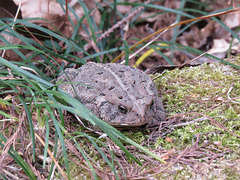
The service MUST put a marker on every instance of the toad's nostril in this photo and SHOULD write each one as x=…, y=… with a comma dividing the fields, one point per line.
x=111, y=87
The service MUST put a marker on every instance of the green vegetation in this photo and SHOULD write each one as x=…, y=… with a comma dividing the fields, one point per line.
x=204, y=92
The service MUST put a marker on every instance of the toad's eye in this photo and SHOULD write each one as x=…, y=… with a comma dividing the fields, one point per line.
x=151, y=105
x=122, y=109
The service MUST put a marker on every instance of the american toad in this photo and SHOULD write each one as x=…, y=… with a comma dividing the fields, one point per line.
x=118, y=94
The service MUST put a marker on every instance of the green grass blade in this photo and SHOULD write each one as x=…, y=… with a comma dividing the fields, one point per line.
x=29, y=117
x=103, y=155
x=46, y=142
x=18, y=159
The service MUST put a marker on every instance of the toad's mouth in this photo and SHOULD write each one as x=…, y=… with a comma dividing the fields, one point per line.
x=127, y=125
x=135, y=123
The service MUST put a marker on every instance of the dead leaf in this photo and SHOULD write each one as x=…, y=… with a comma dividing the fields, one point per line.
x=9, y=96
x=220, y=99
x=194, y=95
x=168, y=139
x=8, y=9
x=166, y=155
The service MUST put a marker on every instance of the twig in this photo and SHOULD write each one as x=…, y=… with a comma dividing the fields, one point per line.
x=230, y=89
x=150, y=42
x=12, y=140
x=190, y=122
x=106, y=33
x=10, y=174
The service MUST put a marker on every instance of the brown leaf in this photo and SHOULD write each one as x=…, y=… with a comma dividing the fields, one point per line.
x=168, y=139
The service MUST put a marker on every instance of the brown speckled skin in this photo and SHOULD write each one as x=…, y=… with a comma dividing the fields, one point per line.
x=118, y=94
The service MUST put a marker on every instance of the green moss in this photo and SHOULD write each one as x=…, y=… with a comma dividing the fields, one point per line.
x=231, y=173
x=198, y=90
x=137, y=135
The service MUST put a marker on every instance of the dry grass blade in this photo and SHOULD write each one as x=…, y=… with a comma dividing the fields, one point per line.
x=51, y=155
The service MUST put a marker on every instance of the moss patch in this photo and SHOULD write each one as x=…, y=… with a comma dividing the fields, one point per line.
x=206, y=91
